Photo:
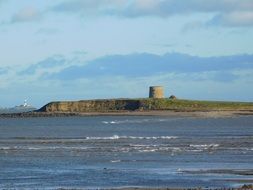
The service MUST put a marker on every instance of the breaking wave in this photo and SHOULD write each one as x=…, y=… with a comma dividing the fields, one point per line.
x=130, y=121
x=116, y=137
x=204, y=146
x=83, y=139
x=42, y=148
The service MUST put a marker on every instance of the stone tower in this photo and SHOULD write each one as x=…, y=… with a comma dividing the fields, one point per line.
x=156, y=92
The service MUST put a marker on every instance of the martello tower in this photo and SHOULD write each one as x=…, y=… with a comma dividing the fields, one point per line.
x=156, y=92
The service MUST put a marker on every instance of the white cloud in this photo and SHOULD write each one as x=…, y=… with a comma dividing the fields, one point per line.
x=27, y=14
x=229, y=12
x=225, y=12
x=237, y=18
x=158, y=7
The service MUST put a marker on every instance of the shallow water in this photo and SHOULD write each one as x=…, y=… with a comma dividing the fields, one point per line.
x=123, y=151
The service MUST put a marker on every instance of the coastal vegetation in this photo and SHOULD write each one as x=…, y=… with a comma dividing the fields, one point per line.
x=144, y=104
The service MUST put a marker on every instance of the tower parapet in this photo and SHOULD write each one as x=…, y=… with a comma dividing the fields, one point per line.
x=156, y=92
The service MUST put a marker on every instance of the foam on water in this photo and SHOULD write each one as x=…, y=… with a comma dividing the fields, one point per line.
x=106, y=152
x=204, y=145
x=43, y=148
x=83, y=139
x=138, y=121
x=116, y=137
x=115, y=161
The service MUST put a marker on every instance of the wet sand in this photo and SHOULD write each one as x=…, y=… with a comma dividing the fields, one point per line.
x=188, y=189
x=169, y=113
x=244, y=187
x=248, y=172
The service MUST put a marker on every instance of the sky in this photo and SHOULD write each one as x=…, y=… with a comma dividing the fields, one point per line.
x=92, y=49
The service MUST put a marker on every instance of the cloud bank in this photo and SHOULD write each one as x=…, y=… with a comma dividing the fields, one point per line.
x=114, y=76
x=145, y=65
x=47, y=65
x=226, y=12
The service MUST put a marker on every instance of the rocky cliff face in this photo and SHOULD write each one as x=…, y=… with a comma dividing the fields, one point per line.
x=92, y=106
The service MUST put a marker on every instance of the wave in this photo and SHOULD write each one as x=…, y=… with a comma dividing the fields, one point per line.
x=126, y=121
x=116, y=137
x=81, y=139
x=149, y=150
x=78, y=148
x=142, y=148
x=137, y=121
x=204, y=146
x=115, y=161
x=42, y=148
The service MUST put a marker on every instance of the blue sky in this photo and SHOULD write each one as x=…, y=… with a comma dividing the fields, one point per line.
x=84, y=49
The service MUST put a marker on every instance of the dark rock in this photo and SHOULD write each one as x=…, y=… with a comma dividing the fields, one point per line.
x=247, y=186
x=172, y=97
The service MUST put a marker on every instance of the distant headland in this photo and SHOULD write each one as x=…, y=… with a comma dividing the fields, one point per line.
x=155, y=104
x=25, y=107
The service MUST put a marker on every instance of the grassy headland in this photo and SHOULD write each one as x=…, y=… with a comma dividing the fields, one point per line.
x=140, y=107
x=195, y=105
x=145, y=104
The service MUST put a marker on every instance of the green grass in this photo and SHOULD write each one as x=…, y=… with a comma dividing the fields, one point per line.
x=193, y=105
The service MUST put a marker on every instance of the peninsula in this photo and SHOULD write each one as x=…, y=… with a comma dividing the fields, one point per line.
x=146, y=106
x=156, y=104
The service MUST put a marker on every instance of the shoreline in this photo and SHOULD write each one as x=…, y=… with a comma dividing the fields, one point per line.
x=162, y=113
x=240, y=187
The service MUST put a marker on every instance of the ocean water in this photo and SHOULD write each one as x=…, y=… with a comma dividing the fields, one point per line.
x=125, y=151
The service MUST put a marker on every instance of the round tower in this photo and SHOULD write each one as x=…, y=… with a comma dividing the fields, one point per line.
x=156, y=92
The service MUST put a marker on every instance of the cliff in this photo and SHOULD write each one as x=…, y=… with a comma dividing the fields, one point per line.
x=92, y=105
x=147, y=104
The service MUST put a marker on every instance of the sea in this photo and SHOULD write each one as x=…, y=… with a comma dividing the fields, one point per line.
x=103, y=152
